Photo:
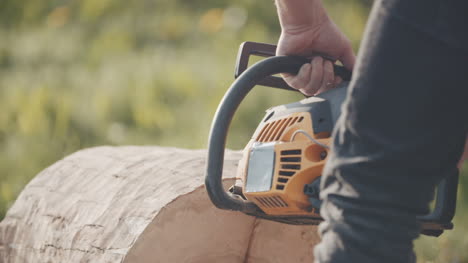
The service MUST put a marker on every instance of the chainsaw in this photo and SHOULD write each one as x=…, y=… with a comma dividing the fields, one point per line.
x=279, y=173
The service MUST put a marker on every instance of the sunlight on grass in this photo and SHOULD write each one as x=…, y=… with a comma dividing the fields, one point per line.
x=77, y=74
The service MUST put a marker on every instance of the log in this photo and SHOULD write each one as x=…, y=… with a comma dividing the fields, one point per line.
x=139, y=204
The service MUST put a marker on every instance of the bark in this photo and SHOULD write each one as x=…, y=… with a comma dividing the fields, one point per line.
x=139, y=204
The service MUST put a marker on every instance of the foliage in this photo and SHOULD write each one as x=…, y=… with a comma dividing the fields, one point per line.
x=76, y=74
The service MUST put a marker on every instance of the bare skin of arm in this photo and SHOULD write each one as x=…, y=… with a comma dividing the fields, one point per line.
x=306, y=29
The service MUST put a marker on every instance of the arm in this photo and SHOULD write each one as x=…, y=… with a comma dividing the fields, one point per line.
x=300, y=14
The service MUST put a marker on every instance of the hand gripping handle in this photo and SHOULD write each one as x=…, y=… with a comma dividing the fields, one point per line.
x=248, y=49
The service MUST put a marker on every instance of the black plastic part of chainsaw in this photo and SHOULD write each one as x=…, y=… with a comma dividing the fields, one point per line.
x=267, y=50
x=324, y=108
x=433, y=224
x=220, y=126
x=312, y=191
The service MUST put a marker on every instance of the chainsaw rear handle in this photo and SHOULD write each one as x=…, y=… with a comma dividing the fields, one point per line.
x=222, y=119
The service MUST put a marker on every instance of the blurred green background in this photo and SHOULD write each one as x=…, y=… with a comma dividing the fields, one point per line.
x=77, y=74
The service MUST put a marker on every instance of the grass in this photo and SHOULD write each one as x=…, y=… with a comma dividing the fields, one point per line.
x=77, y=74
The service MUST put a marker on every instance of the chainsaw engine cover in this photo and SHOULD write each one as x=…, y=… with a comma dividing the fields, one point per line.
x=281, y=160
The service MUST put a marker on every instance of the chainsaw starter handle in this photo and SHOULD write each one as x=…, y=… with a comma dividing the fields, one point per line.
x=222, y=119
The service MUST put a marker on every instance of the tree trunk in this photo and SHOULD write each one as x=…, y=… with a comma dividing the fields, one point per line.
x=139, y=204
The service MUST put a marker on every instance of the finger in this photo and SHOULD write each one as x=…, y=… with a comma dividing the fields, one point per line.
x=328, y=80
x=301, y=79
x=287, y=77
x=348, y=58
x=316, y=76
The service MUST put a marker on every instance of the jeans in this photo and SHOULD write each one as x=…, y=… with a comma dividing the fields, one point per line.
x=403, y=124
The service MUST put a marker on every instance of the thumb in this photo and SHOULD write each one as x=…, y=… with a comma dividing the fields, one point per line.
x=348, y=58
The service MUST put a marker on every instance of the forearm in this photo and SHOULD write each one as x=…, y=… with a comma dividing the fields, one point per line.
x=296, y=15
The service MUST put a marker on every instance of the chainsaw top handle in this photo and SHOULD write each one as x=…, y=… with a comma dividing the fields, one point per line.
x=250, y=48
x=222, y=119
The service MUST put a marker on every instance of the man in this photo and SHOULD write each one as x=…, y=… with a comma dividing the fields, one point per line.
x=403, y=125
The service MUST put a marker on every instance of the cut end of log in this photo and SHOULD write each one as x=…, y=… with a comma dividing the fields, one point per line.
x=140, y=204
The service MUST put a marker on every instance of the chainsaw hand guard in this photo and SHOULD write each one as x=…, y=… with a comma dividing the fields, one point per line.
x=223, y=116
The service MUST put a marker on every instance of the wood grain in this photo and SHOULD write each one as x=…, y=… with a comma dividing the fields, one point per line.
x=139, y=204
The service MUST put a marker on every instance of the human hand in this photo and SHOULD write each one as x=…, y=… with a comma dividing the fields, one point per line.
x=305, y=40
